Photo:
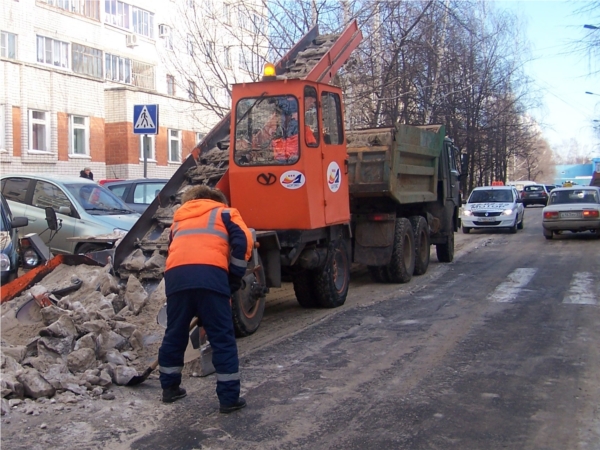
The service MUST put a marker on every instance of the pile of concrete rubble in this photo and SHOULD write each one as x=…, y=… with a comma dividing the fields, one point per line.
x=104, y=333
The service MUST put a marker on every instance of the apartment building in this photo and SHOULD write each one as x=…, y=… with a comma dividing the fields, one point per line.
x=72, y=71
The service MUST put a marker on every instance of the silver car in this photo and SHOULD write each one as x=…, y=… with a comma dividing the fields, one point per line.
x=573, y=209
x=83, y=207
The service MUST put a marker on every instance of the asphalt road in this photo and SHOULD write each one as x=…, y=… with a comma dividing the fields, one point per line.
x=495, y=350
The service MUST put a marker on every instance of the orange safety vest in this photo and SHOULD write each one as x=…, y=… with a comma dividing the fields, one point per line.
x=287, y=148
x=199, y=236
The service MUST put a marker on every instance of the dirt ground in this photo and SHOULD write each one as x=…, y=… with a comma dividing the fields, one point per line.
x=82, y=422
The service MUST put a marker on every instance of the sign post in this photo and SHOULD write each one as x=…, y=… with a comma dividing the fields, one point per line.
x=145, y=121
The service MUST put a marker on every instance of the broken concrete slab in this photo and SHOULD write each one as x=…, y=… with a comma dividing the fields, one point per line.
x=11, y=387
x=81, y=360
x=62, y=346
x=135, y=295
x=124, y=374
x=34, y=384
x=137, y=340
x=87, y=341
x=115, y=357
x=108, y=340
x=52, y=313
x=62, y=328
x=17, y=352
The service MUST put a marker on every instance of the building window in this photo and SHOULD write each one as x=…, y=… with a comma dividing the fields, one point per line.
x=147, y=145
x=2, y=130
x=190, y=44
x=243, y=18
x=117, y=68
x=8, y=45
x=117, y=13
x=142, y=75
x=170, y=85
x=174, y=146
x=199, y=137
x=143, y=22
x=51, y=51
x=226, y=13
x=39, y=130
x=87, y=8
x=209, y=50
x=80, y=132
x=227, y=57
x=87, y=60
x=192, y=90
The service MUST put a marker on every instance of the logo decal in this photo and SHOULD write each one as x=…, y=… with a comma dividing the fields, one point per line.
x=292, y=179
x=334, y=177
x=266, y=179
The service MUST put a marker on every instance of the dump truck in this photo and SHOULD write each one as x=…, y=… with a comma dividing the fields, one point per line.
x=318, y=197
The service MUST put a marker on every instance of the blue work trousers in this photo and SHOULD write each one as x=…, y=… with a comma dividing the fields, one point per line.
x=213, y=309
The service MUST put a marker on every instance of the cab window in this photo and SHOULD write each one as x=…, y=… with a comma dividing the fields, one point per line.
x=266, y=131
x=332, y=118
x=311, y=119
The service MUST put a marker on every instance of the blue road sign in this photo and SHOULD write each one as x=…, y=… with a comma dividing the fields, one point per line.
x=145, y=119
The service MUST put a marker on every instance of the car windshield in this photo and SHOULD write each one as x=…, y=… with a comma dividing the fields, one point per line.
x=97, y=200
x=574, y=196
x=489, y=196
x=533, y=188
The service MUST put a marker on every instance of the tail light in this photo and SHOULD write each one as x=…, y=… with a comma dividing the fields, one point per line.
x=550, y=215
x=522, y=194
x=590, y=214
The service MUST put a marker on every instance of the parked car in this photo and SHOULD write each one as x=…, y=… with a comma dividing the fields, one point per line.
x=573, y=209
x=9, y=242
x=535, y=194
x=549, y=187
x=137, y=194
x=83, y=208
x=493, y=207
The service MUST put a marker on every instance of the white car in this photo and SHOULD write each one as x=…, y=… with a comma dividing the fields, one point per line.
x=572, y=209
x=493, y=207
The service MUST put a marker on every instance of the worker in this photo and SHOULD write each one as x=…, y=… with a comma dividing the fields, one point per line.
x=285, y=148
x=209, y=248
x=86, y=173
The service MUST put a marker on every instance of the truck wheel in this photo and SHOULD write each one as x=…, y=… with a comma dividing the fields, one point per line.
x=379, y=274
x=445, y=252
x=402, y=265
x=422, y=250
x=304, y=288
x=248, y=304
x=331, y=283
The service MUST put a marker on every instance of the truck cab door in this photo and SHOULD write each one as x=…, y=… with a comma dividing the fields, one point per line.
x=334, y=159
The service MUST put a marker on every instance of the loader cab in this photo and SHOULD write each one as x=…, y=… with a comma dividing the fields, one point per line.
x=288, y=158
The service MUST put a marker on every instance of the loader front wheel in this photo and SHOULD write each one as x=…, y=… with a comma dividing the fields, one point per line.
x=422, y=250
x=332, y=281
x=402, y=265
x=248, y=304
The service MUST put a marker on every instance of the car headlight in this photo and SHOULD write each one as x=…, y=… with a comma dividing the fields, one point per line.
x=31, y=258
x=468, y=213
x=507, y=212
x=4, y=262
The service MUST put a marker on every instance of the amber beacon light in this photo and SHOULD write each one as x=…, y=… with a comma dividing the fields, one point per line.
x=269, y=71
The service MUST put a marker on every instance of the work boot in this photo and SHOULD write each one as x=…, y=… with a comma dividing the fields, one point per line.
x=226, y=409
x=173, y=393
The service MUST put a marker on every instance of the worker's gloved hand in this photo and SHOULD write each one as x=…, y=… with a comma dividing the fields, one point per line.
x=235, y=283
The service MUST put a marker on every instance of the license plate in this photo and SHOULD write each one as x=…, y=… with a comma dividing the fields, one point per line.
x=570, y=215
x=534, y=195
x=487, y=219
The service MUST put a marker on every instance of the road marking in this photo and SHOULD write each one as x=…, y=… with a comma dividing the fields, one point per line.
x=581, y=291
x=509, y=290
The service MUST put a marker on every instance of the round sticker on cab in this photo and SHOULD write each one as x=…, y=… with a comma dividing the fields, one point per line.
x=334, y=177
x=292, y=179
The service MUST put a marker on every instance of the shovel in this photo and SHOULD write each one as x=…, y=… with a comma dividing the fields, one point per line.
x=139, y=379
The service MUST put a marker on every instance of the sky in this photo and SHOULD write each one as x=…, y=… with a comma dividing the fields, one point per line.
x=561, y=74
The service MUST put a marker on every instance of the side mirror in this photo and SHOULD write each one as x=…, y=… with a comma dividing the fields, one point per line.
x=19, y=222
x=223, y=145
x=64, y=210
x=51, y=219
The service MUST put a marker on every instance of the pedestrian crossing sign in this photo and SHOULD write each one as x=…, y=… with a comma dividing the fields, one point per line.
x=145, y=119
